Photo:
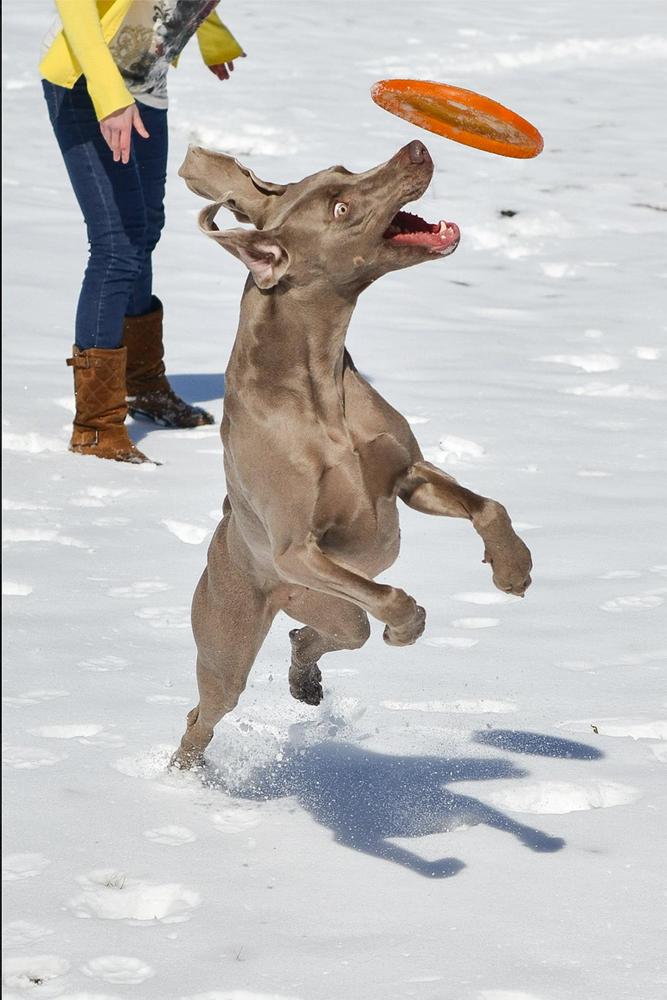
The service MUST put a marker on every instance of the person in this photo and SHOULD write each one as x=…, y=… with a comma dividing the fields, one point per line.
x=104, y=75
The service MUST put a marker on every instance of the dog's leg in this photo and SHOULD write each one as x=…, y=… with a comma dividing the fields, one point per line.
x=432, y=491
x=331, y=624
x=305, y=564
x=230, y=620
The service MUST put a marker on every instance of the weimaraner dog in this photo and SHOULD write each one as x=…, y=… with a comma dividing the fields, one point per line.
x=315, y=459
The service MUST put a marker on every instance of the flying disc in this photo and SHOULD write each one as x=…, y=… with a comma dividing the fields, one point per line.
x=461, y=115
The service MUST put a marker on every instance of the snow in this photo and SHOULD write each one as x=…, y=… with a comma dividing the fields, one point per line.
x=480, y=816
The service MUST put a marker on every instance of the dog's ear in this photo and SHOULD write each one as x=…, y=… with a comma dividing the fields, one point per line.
x=222, y=179
x=261, y=252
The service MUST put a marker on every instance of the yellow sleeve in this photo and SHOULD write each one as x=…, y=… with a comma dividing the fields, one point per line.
x=83, y=34
x=216, y=42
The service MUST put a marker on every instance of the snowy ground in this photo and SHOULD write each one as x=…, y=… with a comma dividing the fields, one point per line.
x=480, y=816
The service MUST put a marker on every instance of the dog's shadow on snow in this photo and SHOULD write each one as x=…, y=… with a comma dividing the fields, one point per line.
x=366, y=798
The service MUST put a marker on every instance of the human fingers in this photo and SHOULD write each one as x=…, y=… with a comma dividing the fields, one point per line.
x=138, y=124
x=106, y=134
x=126, y=141
x=220, y=70
x=115, y=144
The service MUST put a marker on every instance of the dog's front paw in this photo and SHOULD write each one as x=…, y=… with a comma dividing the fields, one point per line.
x=408, y=632
x=511, y=564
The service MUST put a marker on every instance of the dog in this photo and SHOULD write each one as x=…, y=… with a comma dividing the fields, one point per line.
x=315, y=459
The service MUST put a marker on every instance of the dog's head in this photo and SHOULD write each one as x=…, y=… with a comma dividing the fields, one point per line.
x=337, y=227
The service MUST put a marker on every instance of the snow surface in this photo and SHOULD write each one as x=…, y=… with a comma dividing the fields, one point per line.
x=480, y=816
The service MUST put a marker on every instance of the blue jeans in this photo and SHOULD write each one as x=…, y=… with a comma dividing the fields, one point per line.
x=123, y=208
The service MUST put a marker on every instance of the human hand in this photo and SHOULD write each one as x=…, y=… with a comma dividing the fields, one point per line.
x=117, y=131
x=223, y=70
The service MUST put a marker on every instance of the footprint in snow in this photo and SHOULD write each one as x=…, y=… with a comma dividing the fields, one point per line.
x=141, y=588
x=30, y=758
x=118, y=969
x=79, y=995
x=23, y=535
x=153, y=764
x=103, y=664
x=109, y=894
x=33, y=970
x=633, y=602
x=454, y=449
x=238, y=995
x=635, y=729
x=74, y=731
x=475, y=623
x=557, y=269
x=32, y=443
x=97, y=496
x=167, y=699
x=627, y=660
x=17, y=867
x=507, y=995
x=465, y=706
x=34, y=697
x=235, y=819
x=21, y=932
x=8, y=504
x=174, y=617
x=11, y=588
x=173, y=836
x=585, y=362
x=623, y=390
x=559, y=797
x=88, y=734
x=647, y=353
x=456, y=642
x=191, y=534
x=485, y=597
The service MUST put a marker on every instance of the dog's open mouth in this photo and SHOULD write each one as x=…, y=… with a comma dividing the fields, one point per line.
x=409, y=230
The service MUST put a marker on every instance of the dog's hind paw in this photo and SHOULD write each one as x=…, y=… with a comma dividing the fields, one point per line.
x=186, y=759
x=305, y=684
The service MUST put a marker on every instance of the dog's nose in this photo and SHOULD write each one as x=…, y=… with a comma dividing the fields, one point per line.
x=418, y=152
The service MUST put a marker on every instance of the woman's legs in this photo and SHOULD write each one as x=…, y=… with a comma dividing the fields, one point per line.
x=149, y=393
x=111, y=198
x=150, y=157
x=123, y=208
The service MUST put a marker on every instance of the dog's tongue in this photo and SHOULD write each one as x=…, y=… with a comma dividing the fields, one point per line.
x=407, y=229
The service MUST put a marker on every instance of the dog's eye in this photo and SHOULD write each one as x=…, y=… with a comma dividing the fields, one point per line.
x=340, y=209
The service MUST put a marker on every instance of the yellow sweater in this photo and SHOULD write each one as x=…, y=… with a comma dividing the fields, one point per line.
x=82, y=48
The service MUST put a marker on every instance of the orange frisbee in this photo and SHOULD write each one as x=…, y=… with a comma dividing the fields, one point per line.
x=461, y=115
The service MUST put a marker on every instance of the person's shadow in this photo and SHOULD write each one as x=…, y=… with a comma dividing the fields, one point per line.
x=366, y=798
x=199, y=388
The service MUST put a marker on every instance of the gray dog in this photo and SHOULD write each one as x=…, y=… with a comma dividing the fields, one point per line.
x=315, y=459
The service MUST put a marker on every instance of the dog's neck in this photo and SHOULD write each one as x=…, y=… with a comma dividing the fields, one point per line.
x=288, y=338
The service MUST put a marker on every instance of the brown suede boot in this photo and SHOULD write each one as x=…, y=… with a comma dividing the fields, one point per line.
x=148, y=391
x=101, y=408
